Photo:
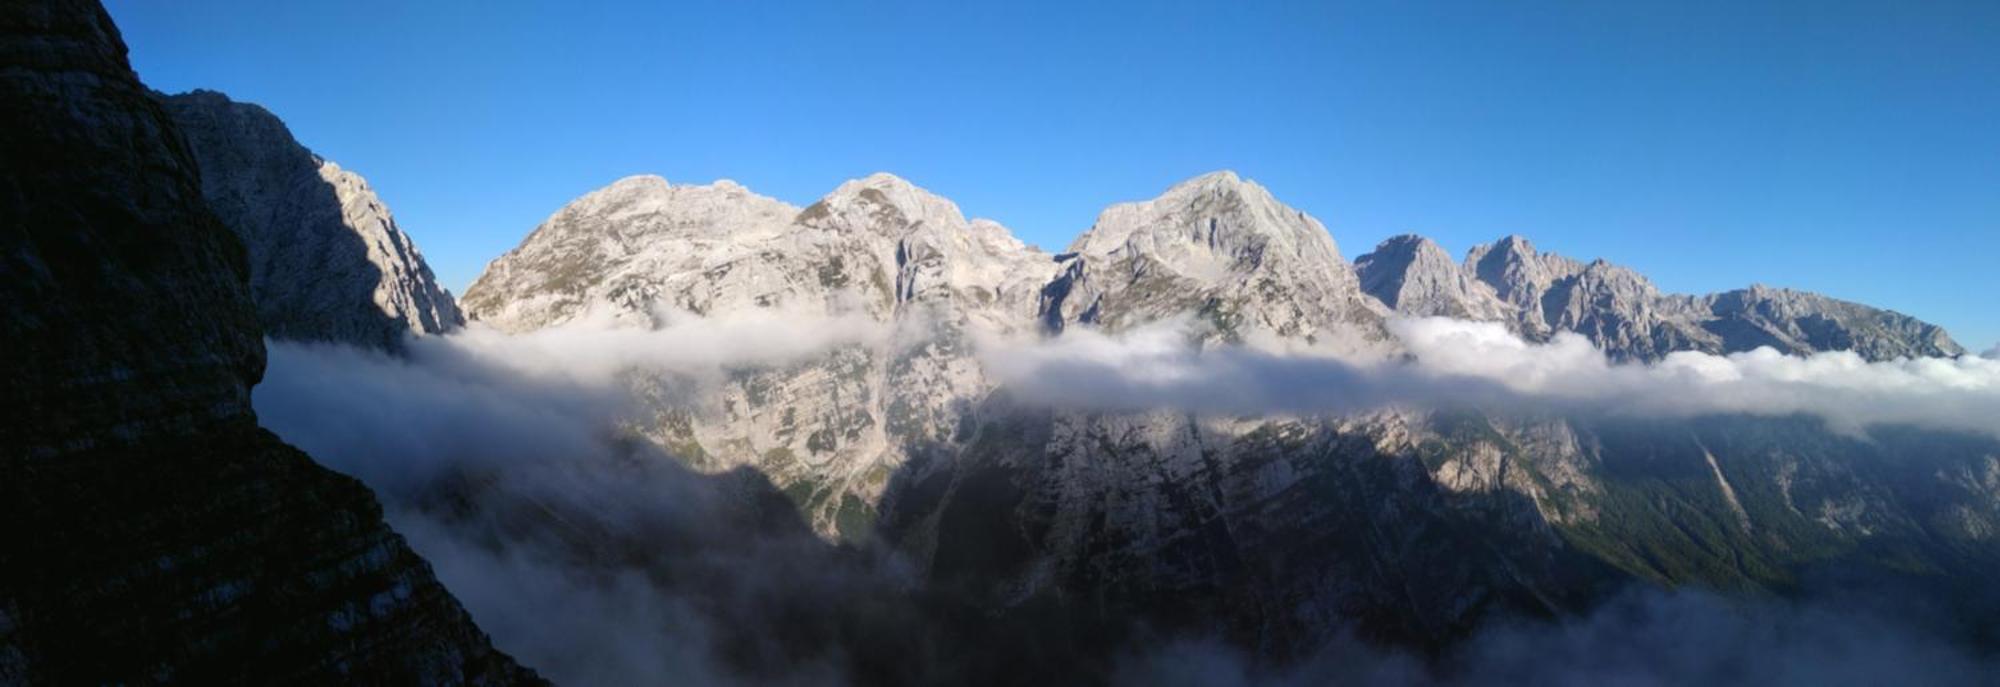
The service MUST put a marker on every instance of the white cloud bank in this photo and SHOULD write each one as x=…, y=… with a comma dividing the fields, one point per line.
x=1477, y=363
x=592, y=558
x=681, y=576
x=595, y=349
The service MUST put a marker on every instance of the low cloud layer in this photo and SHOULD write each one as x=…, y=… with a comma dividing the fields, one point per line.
x=1454, y=362
x=485, y=399
x=597, y=559
x=1644, y=637
x=590, y=555
x=595, y=349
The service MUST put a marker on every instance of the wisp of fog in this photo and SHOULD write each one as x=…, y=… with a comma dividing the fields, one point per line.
x=1459, y=363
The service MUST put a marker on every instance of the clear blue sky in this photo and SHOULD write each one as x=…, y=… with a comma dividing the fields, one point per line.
x=1847, y=148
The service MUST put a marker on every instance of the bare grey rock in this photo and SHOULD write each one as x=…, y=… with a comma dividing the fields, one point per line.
x=1520, y=276
x=1413, y=275
x=1799, y=322
x=1625, y=314
x=1217, y=246
x=327, y=260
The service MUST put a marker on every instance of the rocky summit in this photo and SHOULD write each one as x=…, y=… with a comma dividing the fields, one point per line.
x=154, y=533
x=1218, y=246
x=327, y=261
x=1413, y=275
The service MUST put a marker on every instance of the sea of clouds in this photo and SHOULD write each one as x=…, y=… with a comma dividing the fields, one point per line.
x=599, y=561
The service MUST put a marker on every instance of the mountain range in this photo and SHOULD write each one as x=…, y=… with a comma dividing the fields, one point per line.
x=157, y=533
x=1286, y=529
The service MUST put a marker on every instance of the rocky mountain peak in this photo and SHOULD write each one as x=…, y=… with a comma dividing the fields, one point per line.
x=642, y=243
x=1413, y=275
x=638, y=192
x=643, y=205
x=884, y=204
x=1409, y=244
x=609, y=247
x=1385, y=271
x=1215, y=216
x=1218, y=181
x=1511, y=244
x=1516, y=271
x=1217, y=245
x=300, y=214
x=1618, y=276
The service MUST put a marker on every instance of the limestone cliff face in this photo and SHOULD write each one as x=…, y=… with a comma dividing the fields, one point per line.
x=152, y=531
x=327, y=260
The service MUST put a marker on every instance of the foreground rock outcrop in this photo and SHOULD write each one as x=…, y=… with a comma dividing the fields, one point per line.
x=153, y=532
x=327, y=261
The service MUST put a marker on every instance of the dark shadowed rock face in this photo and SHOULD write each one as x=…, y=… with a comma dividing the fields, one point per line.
x=327, y=261
x=152, y=531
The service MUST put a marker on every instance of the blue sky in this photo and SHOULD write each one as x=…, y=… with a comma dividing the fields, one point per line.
x=1847, y=148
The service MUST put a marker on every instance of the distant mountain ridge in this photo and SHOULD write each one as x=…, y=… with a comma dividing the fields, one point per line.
x=1218, y=247
x=1252, y=262
x=1621, y=311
